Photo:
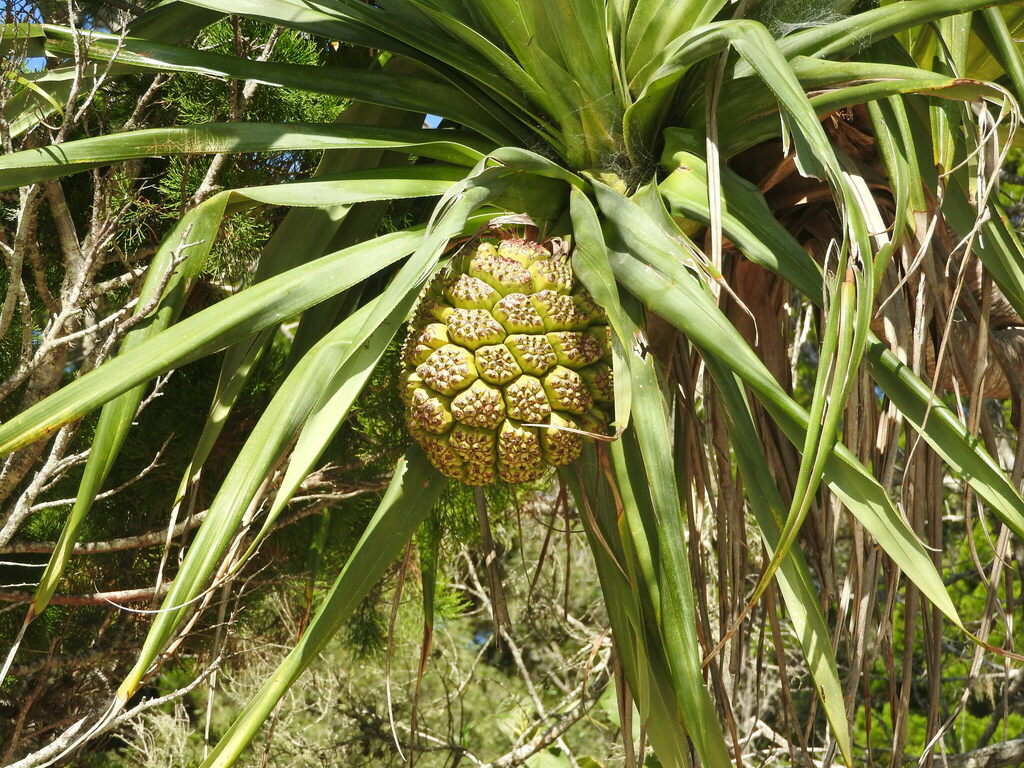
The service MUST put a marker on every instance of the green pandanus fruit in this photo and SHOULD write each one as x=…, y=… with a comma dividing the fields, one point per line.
x=507, y=364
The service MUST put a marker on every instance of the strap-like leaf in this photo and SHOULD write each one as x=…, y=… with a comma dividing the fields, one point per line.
x=345, y=376
x=997, y=45
x=649, y=266
x=399, y=91
x=794, y=578
x=32, y=165
x=677, y=611
x=303, y=235
x=763, y=240
x=229, y=321
x=654, y=24
x=409, y=499
x=192, y=237
x=643, y=663
x=848, y=35
x=307, y=394
x=590, y=262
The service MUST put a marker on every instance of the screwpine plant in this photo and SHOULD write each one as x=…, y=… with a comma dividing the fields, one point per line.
x=786, y=214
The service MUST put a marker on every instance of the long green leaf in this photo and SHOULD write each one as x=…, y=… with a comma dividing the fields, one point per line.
x=437, y=38
x=952, y=440
x=303, y=235
x=847, y=478
x=996, y=41
x=534, y=46
x=192, y=237
x=408, y=501
x=353, y=187
x=171, y=21
x=843, y=338
x=745, y=213
x=678, y=615
x=806, y=616
x=265, y=446
x=649, y=266
x=167, y=24
x=298, y=402
x=504, y=64
x=590, y=263
x=401, y=92
x=998, y=245
x=198, y=226
x=643, y=459
x=644, y=666
x=860, y=30
x=231, y=320
x=40, y=164
x=350, y=372
x=333, y=25
x=764, y=240
x=794, y=578
x=765, y=127
x=260, y=306
x=814, y=154
x=411, y=32
x=748, y=113
x=653, y=25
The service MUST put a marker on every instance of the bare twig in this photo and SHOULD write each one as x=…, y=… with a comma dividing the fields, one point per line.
x=1008, y=753
x=116, y=597
x=558, y=727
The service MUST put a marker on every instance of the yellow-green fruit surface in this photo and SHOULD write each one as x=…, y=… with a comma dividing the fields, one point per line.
x=506, y=361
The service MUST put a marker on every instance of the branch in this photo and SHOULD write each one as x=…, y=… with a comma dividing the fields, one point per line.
x=73, y=737
x=11, y=522
x=562, y=723
x=236, y=110
x=159, y=535
x=995, y=756
x=97, y=598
